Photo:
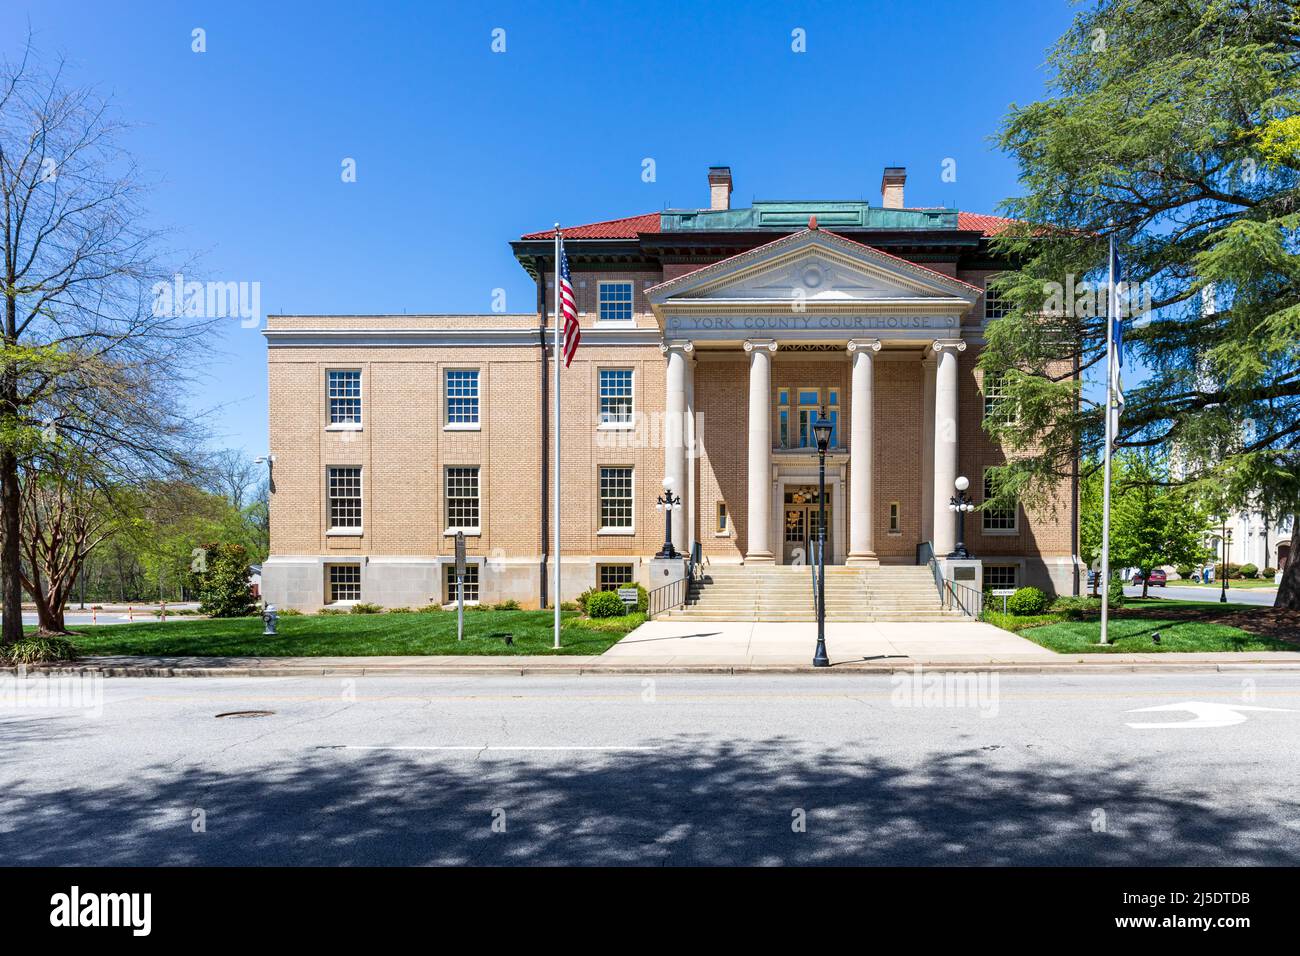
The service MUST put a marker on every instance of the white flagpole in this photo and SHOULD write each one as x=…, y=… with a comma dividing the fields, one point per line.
x=1110, y=418
x=556, y=417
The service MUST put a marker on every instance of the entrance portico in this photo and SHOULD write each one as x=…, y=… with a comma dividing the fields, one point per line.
x=820, y=298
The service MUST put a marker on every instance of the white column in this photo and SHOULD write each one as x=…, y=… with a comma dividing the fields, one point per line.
x=861, y=450
x=692, y=455
x=945, y=443
x=674, y=432
x=759, y=507
x=928, y=365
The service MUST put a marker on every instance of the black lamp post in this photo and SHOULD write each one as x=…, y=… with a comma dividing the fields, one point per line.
x=822, y=430
x=1227, y=550
x=960, y=503
x=668, y=503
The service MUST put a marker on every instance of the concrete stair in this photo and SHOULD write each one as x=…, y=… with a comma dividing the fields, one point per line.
x=784, y=593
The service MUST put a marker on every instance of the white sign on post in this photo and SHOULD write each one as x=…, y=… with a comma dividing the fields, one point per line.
x=1004, y=593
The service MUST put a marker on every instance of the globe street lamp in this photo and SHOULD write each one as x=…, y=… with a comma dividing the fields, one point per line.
x=822, y=428
x=668, y=503
x=960, y=503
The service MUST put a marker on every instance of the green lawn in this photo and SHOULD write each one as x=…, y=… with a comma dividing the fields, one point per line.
x=358, y=635
x=1130, y=635
x=1218, y=585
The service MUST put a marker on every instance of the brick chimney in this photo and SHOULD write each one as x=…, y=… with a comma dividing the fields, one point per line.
x=891, y=187
x=719, y=187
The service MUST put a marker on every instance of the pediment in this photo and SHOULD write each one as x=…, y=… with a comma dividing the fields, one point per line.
x=813, y=267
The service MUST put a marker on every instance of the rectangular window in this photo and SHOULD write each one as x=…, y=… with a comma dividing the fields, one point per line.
x=344, y=389
x=994, y=306
x=345, y=582
x=611, y=577
x=809, y=403
x=1000, y=575
x=615, y=301
x=994, y=388
x=893, y=517
x=344, y=498
x=616, y=396
x=616, y=497
x=449, y=582
x=722, y=516
x=783, y=417
x=997, y=519
x=462, y=498
x=462, y=396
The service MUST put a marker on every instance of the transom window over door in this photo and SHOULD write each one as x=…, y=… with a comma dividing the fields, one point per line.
x=808, y=408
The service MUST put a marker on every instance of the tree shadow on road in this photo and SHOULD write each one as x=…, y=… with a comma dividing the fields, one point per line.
x=693, y=801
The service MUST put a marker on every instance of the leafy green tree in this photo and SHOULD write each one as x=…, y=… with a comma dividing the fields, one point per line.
x=222, y=581
x=1172, y=126
x=1152, y=524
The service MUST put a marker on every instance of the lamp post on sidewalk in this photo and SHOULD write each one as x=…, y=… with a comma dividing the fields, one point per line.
x=1227, y=550
x=960, y=503
x=822, y=428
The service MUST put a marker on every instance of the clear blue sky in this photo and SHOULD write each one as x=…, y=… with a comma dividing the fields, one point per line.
x=459, y=150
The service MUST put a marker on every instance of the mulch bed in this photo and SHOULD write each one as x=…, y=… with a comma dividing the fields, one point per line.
x=1280, y=623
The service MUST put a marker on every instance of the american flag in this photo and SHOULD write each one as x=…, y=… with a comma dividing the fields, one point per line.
x=568, y=305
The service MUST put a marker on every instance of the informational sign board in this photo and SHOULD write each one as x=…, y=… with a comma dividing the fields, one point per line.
x=628, y=596
x=1003, y=592
x=460, y=554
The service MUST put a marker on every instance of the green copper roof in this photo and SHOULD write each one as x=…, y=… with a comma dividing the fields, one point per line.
x=786, y=214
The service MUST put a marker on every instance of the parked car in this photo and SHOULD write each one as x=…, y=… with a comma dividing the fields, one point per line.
x=1157, y=577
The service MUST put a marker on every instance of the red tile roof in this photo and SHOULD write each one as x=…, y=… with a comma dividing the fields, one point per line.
x=626, y=228
x=630, y=227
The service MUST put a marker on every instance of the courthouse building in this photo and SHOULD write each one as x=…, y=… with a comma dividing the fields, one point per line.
x=711, y=339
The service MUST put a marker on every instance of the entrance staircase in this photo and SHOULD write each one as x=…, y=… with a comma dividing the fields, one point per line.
x=784, y=593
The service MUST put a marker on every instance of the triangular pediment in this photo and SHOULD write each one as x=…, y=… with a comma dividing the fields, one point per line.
x=814, y=267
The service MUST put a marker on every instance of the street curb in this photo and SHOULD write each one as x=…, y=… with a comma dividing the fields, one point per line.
x=481, y=670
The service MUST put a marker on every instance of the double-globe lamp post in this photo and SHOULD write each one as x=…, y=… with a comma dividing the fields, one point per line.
x=960, y=504
x=668, y=503
x=822, y=429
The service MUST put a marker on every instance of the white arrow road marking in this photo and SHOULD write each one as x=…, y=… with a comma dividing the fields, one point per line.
x=1206, y=714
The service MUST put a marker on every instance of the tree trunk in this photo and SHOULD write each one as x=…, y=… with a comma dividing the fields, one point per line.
x=1146, y=583
x=1288, y=591
x=10, y=581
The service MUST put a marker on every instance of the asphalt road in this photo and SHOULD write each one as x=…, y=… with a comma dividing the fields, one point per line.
x=115, y=616
x=1260, y=596
x=631, y=770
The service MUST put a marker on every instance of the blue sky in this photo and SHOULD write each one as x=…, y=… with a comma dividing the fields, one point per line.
x=459, y=149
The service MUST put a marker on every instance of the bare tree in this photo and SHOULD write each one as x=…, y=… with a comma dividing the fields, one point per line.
x=232, y=474
x=85, y=358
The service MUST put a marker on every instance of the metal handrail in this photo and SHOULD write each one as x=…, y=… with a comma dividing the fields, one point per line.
x=969, y=600
x=667, y=597
x=936, y=571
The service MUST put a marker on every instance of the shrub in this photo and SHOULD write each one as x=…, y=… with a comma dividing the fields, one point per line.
x=642, y=599
x=478, y=607
x=1027, y=601
x=289, y=612
x=365, y=607
x=429, y=609
x=399, y=610
x=1268, y=573
x=509, y=605
x=223, y=584
x=332, y=610
x=38, y=649
x=569, y=606
x=1185, y=570
x=605, y=604
x=1249, y=571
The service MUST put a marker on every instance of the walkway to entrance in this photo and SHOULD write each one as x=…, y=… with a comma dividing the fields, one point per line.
x=759, y=643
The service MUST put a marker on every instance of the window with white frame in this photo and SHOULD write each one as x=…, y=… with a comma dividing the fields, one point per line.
x=893, y=518
x=995, y=306
x=462, y=498
x=615, y=301
x=462, y=396
x=997, y=519
x=343, y=387
x=470, y=582
x=994, y=387
x=616, y=396
x=344, y=583
x=722, y=518
x=1001, y=575
x=616, y=498
x=344, y=497
x=614, y=576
